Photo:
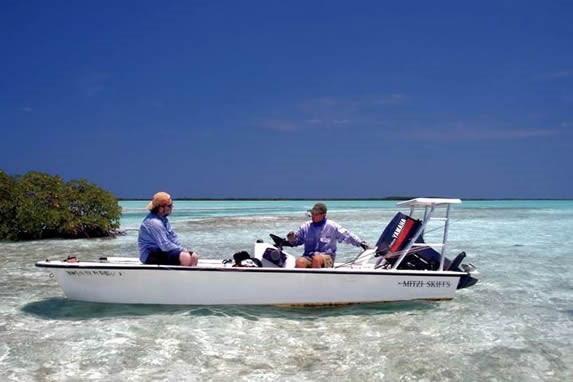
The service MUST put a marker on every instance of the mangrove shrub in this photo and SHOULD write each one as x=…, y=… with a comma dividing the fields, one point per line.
x=40, y=206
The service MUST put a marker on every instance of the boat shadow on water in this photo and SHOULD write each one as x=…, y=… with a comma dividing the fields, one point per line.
x=65, y=309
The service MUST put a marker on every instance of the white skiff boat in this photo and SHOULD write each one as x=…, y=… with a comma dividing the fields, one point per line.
x=401, y=267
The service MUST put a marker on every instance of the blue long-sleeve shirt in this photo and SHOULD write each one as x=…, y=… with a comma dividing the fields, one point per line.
x=322, y=237
x=156, y=234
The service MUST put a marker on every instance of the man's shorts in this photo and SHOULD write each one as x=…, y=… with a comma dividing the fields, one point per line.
x=163, y=258
x=327, y=261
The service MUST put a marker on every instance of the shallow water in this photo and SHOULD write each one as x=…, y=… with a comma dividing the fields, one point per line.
x=514, y=325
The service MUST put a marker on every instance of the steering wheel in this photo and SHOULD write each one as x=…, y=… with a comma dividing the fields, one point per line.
x=279, y=241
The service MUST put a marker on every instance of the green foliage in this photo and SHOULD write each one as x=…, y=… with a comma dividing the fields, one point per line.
x=40, y=206
x=7, y=204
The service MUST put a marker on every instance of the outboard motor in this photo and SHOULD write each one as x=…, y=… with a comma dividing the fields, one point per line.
x=396, y=236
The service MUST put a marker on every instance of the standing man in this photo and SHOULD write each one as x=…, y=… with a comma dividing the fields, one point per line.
x=319, y=237
x=158, y=243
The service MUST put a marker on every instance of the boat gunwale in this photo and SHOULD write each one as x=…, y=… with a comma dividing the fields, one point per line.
x=322, y=271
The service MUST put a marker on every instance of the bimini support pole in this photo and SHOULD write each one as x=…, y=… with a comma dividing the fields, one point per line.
x=445, y=238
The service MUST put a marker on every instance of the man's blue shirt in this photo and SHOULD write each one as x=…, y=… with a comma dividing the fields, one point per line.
x=323, y=236
x=156, y=234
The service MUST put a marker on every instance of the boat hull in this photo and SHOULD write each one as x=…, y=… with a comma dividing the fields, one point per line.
x=399, y=268
x=220, y=285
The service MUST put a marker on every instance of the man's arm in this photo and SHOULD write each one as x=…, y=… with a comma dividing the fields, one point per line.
x=296, y=238
x=345, y=236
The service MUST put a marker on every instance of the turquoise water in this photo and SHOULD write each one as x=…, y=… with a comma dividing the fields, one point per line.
x=515, y=325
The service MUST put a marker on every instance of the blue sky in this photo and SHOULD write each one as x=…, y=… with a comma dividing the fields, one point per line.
x=312, y=99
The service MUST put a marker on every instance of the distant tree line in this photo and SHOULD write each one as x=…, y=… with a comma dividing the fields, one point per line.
x=40, y=206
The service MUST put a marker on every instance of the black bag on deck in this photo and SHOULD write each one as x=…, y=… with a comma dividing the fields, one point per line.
x=243, y=259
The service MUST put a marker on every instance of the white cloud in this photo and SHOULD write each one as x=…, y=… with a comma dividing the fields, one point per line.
x=331, y=112
x=391, y=99
x=479, y=134
x=93, y=83
x=280, y=125
x=560, y=74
